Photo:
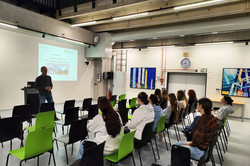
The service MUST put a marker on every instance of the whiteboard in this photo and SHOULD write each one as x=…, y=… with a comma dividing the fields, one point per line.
x=186, y=81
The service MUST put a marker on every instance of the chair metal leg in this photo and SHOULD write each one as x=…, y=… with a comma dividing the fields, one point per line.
x=133, y=158
x=176, y=133
x=20, y=164
x=212, y=160
x=218, y=154
x=153, y=150
x=53, y=157
x=65, y=145
x=10, y=145
x=63, y=129
x=37, y=160
x=225, y=134
x=2, y=145
x=157, y=148
x=72, y=149
x=49, y=158
x=7, y=160
x=57, y=144
x=139, y=156
x=222, y=143
x=220, y=151
x=168, y=137
x=165, y=140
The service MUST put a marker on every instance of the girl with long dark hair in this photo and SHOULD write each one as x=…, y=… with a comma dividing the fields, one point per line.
x=106, y=127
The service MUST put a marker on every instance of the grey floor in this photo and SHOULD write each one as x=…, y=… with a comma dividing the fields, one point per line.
x=238, y=153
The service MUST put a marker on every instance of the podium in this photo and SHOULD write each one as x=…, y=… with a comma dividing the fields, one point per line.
x=31, y=97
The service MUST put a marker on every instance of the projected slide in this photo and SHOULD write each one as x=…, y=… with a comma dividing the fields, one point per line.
x=142, y=78
x=61, y=62
x=236, y=82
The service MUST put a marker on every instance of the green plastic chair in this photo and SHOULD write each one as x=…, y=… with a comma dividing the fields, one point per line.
x=37, y=143
x=133, y=103
x=43, y=120
x=161, y=129
x=126, y=147
x=121, y=97
x=112, y=103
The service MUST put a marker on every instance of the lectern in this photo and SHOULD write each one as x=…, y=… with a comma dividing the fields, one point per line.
x=31, y=97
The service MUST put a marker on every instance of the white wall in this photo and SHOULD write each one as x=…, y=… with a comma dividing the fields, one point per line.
x=213, y=57
x=19, y=64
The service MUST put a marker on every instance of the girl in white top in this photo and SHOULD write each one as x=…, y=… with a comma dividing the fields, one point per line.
x=182, y=100
x=142, y=115
x=106, y=127
x=227, y=108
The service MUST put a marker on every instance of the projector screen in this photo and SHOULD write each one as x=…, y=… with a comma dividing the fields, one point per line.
x=61, y=62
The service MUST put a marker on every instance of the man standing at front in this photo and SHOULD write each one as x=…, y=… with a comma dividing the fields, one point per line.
x=44, y=86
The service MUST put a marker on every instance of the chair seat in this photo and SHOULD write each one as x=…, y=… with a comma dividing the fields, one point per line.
x=60, y=111
x=128, y=106
x=31, y=128
x=113, y=158
x=130, y=117
x=19, y=153
x=63, y=139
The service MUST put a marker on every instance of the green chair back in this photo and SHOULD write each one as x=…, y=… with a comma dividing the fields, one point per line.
x=38, y=142
x=161, y=124
x=133, y=102
x=126, y=145
x=45, y=120
x=225, y=120
x=112, y=103
x=122, y=97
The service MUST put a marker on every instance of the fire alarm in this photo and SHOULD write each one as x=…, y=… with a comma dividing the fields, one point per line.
x=96, y=39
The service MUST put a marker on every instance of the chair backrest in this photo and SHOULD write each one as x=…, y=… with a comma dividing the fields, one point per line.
x=124, y=115
x=113, y=98
x=112, y=103
x=170, y=121
x=45, y=120
x=47, y=107
x=126, y=145
x=99, y=98
x=208, y=154
x=38, y=142
x=86, y=103
x=147, y=133
x=78, y=131
x=68, y=104
x=10, y=128
x=93, y=111
x=122, y=97
x=180, y=156
x=133, y=102
x=93, y=156
x=181, y=114
x=22, y=111
x=122, y=104
x=71, y=115
x=161, y=124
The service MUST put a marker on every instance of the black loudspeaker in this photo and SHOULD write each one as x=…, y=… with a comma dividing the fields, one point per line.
x=107, y=75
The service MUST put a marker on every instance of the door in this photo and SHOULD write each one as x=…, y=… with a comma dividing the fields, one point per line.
x=186, y=81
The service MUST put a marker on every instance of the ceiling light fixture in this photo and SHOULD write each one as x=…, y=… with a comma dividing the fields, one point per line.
x=196, y=4
x=130, y=16
x=8, y=25
x=84, y=24
x=216, y=43
x=69, y=40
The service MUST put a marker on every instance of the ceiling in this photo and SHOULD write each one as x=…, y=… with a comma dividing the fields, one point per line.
x=100, y=14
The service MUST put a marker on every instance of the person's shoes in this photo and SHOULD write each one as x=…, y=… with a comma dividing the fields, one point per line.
x=160, y=136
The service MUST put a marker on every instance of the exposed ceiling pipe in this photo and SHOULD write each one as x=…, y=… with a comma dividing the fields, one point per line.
x=216, y=26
